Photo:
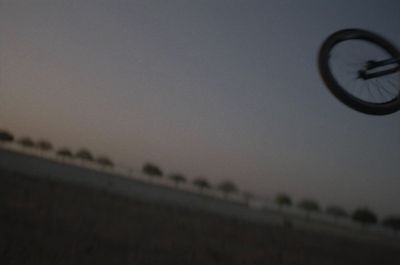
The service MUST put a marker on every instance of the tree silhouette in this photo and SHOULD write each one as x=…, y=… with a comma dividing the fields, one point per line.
x=392, y=222
x=336, y=211
x=65, y=153
x=227, y=187
x=177, y=178
x=283, y=200
x=105, y=162
x=152, y=170
x=309, y=206
x=26, y=142
x=44, y=145
x=364, y=216
x=6, y=137
x=201, y=183
x=84, y=155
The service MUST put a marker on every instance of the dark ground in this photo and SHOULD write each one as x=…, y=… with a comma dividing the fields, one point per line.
x=48, y=222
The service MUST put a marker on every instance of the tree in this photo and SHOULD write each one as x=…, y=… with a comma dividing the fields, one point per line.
x=65, y=153
x=392, y=222
x=105, y=162
x=152, y=170
x=336, y=211
x=84, y=155
x=309, y=206
x=44, y=145
x=177, y=178
x=364, y=216
x=201, y=183
x=227, y=187
x=6, y=137
x=26, y=142
x=283, y=200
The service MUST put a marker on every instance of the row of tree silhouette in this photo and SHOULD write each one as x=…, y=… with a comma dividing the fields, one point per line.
x=152, y=170
x=362, y=215
x=227, y=187
x=44, y=146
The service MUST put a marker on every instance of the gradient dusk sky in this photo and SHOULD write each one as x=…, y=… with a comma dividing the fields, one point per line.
x=222, y=89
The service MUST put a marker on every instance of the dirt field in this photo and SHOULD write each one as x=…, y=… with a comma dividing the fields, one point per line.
x=49, y=222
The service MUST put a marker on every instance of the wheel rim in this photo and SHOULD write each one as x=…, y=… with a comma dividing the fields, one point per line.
x=350, y=56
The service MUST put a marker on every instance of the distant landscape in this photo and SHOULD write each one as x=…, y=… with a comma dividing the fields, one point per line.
x=84, y=158
x=50, y=219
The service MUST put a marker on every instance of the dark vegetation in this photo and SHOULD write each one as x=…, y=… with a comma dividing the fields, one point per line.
x=227, y=187
x=105, y=161
x=202, y=183
x=363, y=216
x=152, y=170
x=64, y=153
x=6, y=136
x=84, y=155
x=177, y=178
x=283, y=200
x=45, y=146
x=392, y=222
x=26, y=142
x=310, y=206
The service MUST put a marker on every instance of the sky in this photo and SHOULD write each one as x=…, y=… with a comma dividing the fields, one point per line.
x=220, y=89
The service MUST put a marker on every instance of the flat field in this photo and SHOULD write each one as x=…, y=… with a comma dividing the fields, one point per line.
x=49, y=222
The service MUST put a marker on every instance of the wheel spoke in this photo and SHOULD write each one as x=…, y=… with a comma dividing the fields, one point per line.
x=346, y=62
x=344, y=66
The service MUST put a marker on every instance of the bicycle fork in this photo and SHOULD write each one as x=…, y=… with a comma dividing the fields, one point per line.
x=370, y=65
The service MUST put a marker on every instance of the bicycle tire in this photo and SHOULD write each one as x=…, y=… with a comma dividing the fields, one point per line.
x=342, y=94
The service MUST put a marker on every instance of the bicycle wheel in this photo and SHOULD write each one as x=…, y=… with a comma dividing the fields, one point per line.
x=344, y=64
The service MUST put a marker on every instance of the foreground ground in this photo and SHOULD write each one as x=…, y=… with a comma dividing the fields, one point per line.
x=50, y=222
